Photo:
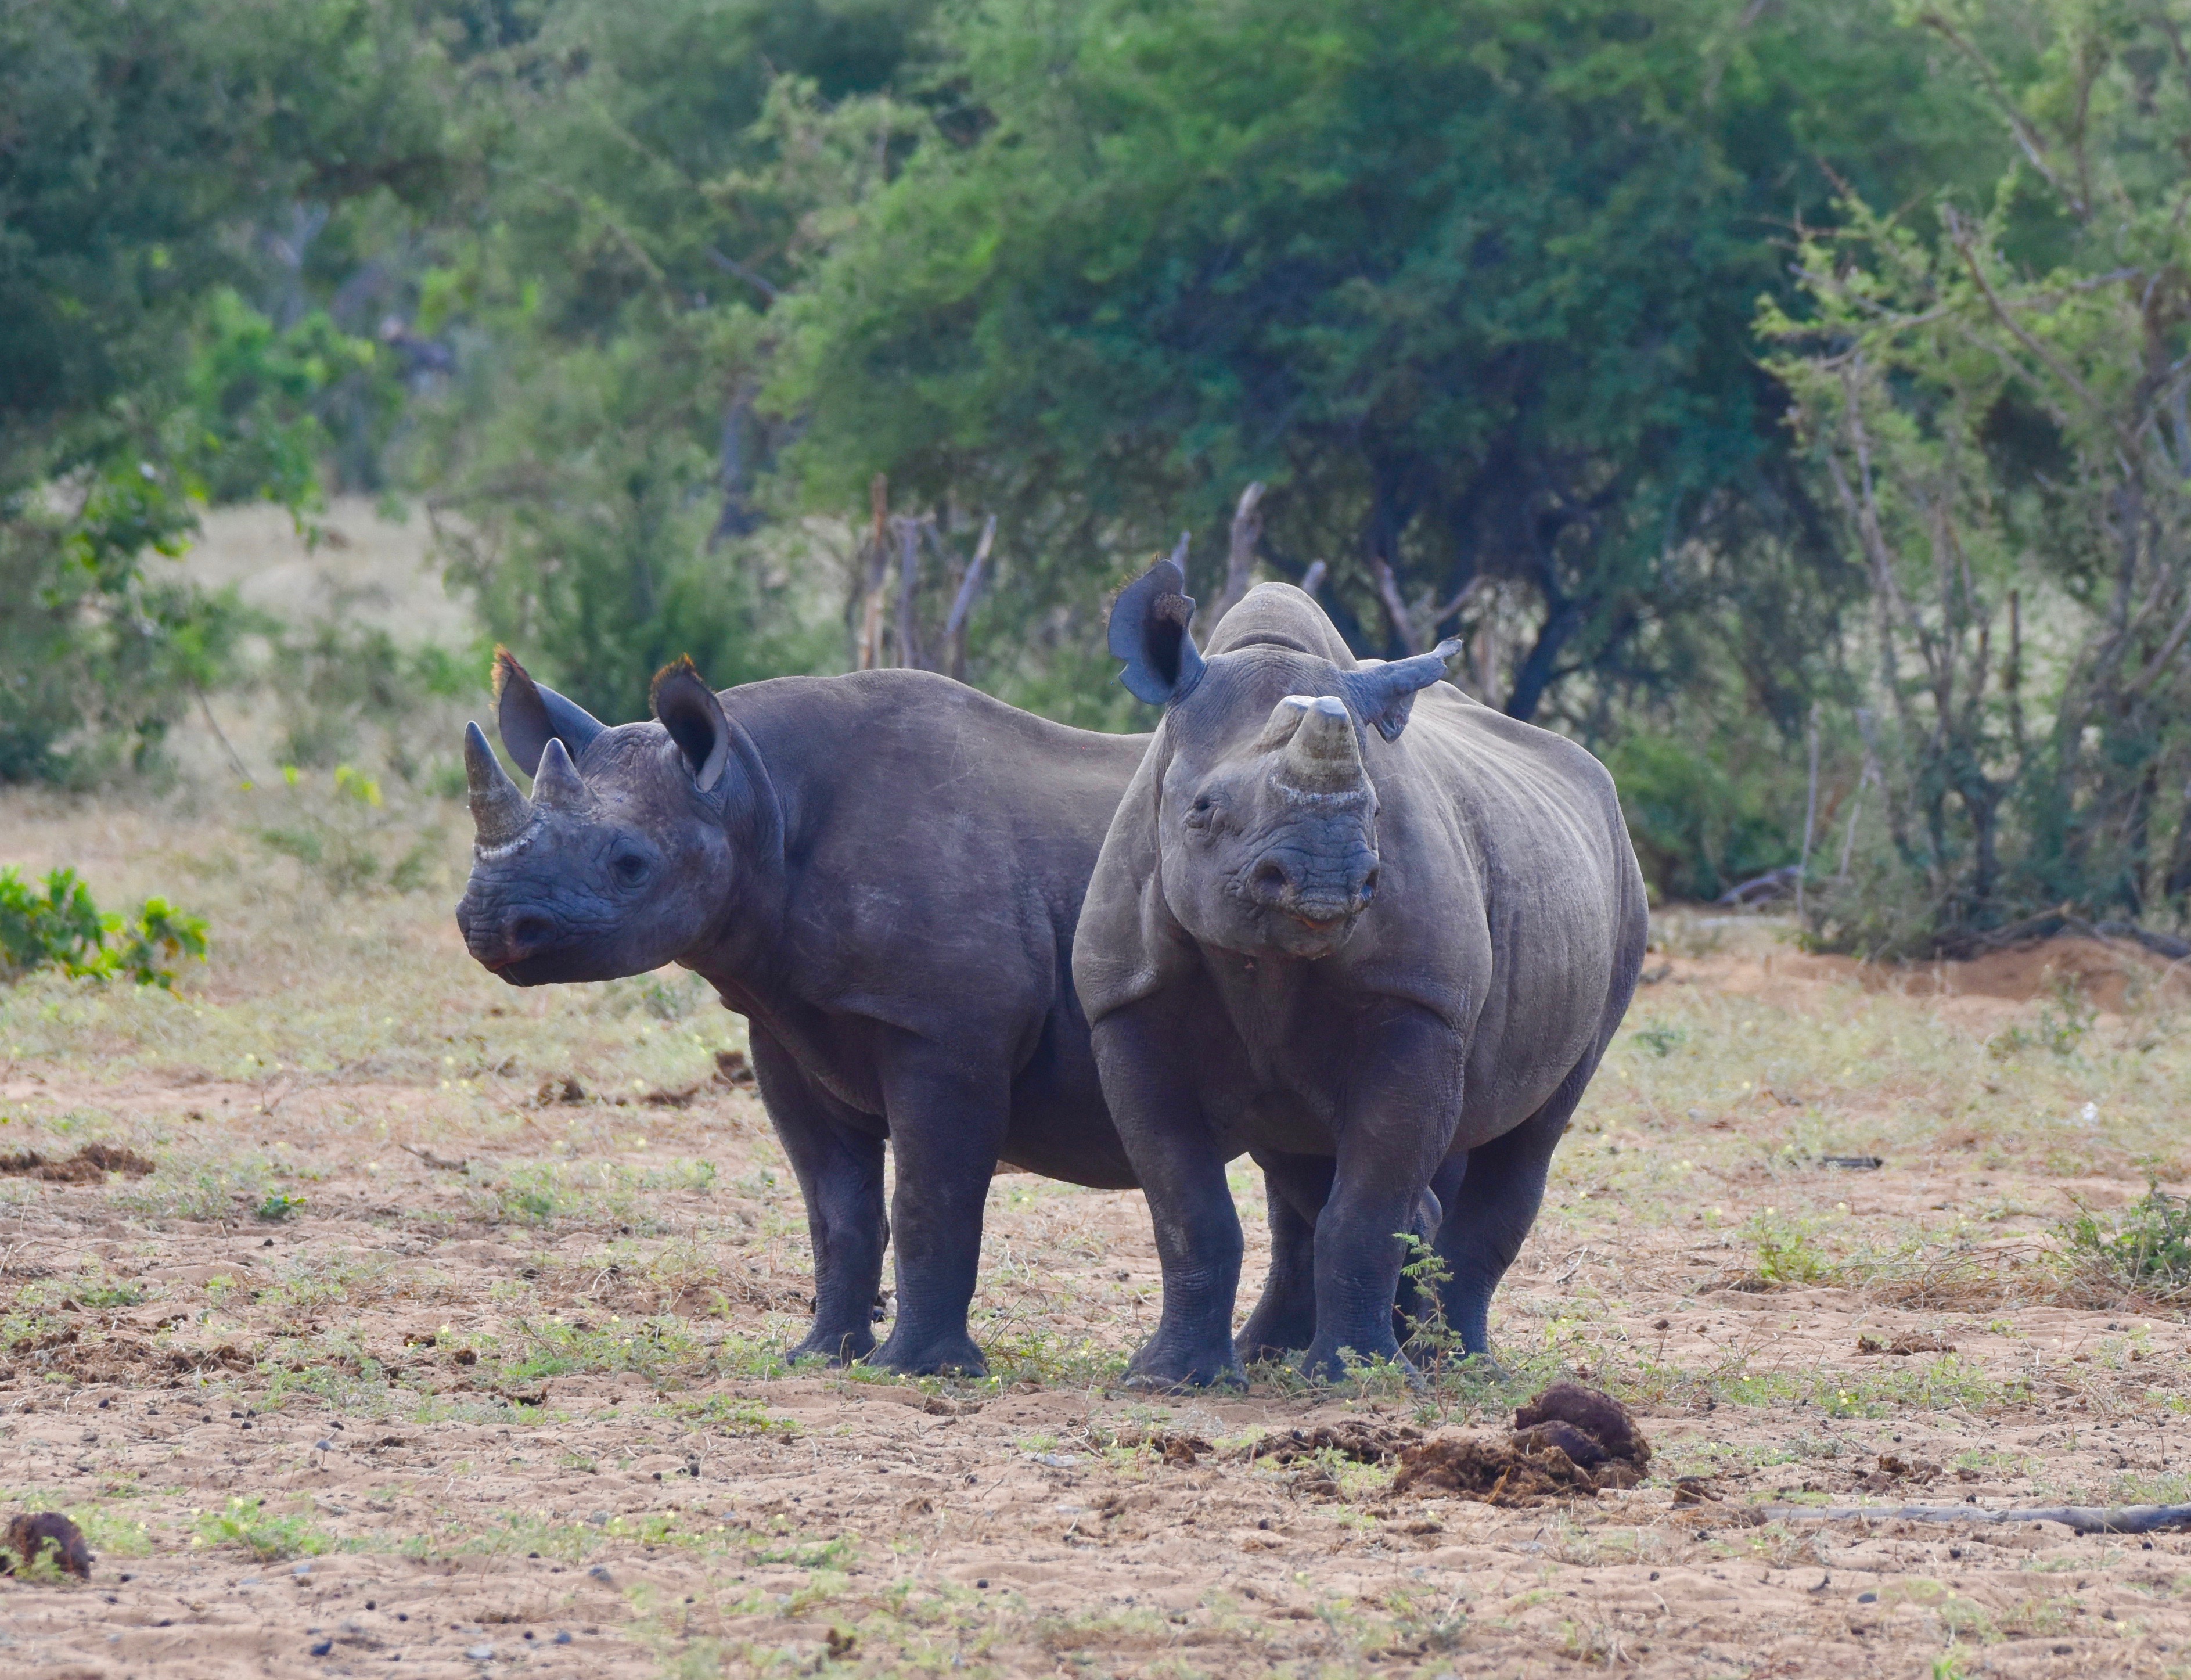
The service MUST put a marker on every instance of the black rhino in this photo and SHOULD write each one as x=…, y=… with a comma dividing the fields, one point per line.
x=1383, y=957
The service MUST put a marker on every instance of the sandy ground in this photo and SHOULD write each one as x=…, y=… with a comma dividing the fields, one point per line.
x=523, y=1414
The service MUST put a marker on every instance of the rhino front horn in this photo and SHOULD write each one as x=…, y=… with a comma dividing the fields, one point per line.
x=1323, y=757
x=499, y=812
x=557, y=784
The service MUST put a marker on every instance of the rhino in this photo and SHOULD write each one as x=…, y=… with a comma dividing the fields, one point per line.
x=1367, y=930
x=882, y=872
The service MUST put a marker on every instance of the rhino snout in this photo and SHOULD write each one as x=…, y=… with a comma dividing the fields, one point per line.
x=1319, y=894
x=499, y=938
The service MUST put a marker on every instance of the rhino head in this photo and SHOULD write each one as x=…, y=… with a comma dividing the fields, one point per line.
x=621, y=860
x=1267, y=819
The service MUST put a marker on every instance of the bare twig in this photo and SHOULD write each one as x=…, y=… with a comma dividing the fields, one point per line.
x=433, y=1160
x=962, y=604
x=1388, y=591
x=1240, y=554
x=213, y=724
x=871, y=617
x=1312, y=579
x=2086, y=1519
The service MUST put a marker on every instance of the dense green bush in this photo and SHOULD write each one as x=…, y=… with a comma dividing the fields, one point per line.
x=57, y=924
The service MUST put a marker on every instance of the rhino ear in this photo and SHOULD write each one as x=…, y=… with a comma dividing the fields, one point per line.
x=1149, y=623
x=688, y=709
x=1384, y=694
x=530, y=716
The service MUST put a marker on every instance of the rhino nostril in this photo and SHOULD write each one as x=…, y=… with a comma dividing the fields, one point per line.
x=1270, y=880
x=527, y=933
x=1368, y=886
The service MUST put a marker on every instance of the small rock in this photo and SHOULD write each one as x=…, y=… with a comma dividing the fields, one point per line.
x=480, y=1653
x=599, y=1572
x=323, y=1446
x=323, y=1647
x=564, y=1638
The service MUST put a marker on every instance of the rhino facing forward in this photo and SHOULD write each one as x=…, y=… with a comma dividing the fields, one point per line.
x=882, y=872
x=1370, y=932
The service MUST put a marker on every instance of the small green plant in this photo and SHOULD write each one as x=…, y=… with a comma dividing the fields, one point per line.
x=2061, y=1027
x=339, y=834
x=1431, y=1341
x=1660, y=1039
x=280, y=1205
x=1786, y=1254
x=269, y=1539
x=60, y=926
x=2146, y=1248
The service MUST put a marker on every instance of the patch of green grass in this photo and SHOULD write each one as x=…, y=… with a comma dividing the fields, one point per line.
x=270, y=1540
x=2144, y=1250
x=204, y=1188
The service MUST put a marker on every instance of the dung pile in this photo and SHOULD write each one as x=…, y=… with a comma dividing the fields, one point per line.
x=1569, y=1440
x=90, y=1165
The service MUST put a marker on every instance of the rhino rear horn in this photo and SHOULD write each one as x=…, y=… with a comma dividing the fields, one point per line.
x=1324, y=756
x=530, y=716
x=1385, y=694
x=558, y=786
x=499, y=812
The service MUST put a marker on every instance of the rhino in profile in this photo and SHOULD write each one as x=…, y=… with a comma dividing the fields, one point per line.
x=1370, y=932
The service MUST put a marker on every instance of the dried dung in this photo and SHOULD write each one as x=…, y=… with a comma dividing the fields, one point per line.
x=1355, y=1438
x=1904, y=1346
x=52, y=1533
x=1498, y=1472
x=1569, y=1440
x=90, y=1165
x=1172, y=1445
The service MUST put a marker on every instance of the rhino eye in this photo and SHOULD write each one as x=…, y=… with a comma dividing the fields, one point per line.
x=630, y=869
x=1199, y=813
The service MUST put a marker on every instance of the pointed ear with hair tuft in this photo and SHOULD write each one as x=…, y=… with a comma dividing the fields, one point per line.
x=688, y=708
x=1149, y=625
x=1385, y=694
x=530, y=716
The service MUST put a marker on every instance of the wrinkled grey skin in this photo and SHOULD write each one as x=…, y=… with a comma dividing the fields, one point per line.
x=1379, y=943
x=882, y=872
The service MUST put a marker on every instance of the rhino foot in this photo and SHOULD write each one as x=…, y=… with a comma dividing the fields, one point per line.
x=839, y=1348
x=1159, y=1370
x=1329, y=1363
x=950, y=1354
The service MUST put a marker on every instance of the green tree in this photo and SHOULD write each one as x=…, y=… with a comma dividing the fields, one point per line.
x=1996, y=395
x=146, y=143
x=1468, y=283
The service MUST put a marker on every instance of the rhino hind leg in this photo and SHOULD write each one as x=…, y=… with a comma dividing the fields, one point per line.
x=839, y=1169
x=1490, y=1210
x=1284, y=1322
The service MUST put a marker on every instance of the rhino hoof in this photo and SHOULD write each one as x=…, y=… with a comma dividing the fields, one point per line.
x=839, y=1348
x=1154, y=1372
x=937, y=1356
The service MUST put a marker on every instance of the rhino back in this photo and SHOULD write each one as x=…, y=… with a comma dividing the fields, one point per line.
x=937, y=845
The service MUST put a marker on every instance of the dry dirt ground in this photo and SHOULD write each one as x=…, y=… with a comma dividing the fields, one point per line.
x=445, y=1337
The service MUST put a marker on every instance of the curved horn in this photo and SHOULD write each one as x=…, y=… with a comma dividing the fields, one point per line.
x=499, y=812
x=557, y=785
x=1323, y=757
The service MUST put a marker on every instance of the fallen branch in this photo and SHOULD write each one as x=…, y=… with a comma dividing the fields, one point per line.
x=2086, y=1519
x=433, y=1160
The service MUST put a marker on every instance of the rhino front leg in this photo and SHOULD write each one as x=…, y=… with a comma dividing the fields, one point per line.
x=947, y=1123
x=1295, y=1188
x=839, y=1169
x=1399, y=1119
x=1492, y=1209
x=1181, y=1170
